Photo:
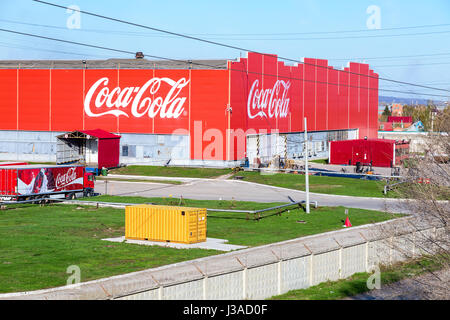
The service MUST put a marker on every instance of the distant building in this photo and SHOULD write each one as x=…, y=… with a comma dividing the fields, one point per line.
x=385, y=126
x=397, y=109
x=395, y=123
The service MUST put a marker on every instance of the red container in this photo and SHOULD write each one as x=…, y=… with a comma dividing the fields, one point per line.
x=378, y=152
x=32, y=180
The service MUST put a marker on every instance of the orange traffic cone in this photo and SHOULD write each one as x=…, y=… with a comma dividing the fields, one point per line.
x=347, y=223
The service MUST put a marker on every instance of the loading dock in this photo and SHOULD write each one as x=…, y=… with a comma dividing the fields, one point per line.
x=93, y=148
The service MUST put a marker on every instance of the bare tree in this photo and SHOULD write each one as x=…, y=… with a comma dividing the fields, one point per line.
x=427, y=192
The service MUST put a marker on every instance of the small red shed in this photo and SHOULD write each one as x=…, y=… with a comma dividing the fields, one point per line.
x=378, y=152
x=95, y=148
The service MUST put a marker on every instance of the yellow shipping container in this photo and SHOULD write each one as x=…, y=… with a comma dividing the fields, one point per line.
x=165, y=223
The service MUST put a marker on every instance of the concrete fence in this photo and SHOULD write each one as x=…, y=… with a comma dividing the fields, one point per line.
x=262, y=272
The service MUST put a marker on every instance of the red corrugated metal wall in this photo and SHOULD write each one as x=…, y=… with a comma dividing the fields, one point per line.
x=108, y=153
x=329, y=98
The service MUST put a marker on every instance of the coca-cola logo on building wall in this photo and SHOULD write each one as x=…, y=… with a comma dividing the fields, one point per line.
x=66, y=178
x=269, y=103
x=136, y=101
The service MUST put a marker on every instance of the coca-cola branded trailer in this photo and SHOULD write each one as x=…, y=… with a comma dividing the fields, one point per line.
x=191, y=112
x=26, y=182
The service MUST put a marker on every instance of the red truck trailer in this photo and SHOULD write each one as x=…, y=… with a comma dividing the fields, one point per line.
x=28, y=182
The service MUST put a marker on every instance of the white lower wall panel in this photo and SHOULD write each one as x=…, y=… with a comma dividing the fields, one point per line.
x=424, y=242
x=294, y=274
x=378, y=253
x=262, y=282
x=185, y=291
x=353, y=260
x=225, y=287
x=402, y=248
x=443, y=239
x=325, y=267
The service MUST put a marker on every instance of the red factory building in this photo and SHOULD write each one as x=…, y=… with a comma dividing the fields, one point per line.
x=210, y=112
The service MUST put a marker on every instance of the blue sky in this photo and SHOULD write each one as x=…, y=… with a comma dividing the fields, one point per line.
x=280, y=27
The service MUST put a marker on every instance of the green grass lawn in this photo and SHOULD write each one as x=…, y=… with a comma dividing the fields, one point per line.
x=171, y=171
x=321, y=161
x=39, y=243
x=320, y=184
x=357, y=283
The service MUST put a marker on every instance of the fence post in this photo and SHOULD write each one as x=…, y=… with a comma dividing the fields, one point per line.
x=205, y=286
x=205, y=279
x=366, y=246
x=278, y=272
x=391, y=243
x=160, y=288
x=160, y=293
x=340, y=258
x=244, y=279
x=311, y=263
x=434, y=239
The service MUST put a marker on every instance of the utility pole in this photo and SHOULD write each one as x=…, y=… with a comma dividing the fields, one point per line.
x=432, y=120
x=306, y=169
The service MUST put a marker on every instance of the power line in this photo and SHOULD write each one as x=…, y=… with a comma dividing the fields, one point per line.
x=93, y=46
x=101, y=31
x=242, y=34
x=333, y=59
x=154, y=34
x=331, y=32
x=336, y=38
x=393, y=57
x=214, y=67
x=226, y=45
x=412, y=65
x=15, y=46
x=65, y=41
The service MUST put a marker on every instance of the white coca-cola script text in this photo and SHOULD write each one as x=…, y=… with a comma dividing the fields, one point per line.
x=66, y=178
x=269, y=103
x=145, y=100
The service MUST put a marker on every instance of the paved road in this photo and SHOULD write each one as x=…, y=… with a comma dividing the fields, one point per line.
x=210, y=189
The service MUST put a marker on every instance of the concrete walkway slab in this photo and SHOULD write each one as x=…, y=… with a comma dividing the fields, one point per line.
x=209, y=244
